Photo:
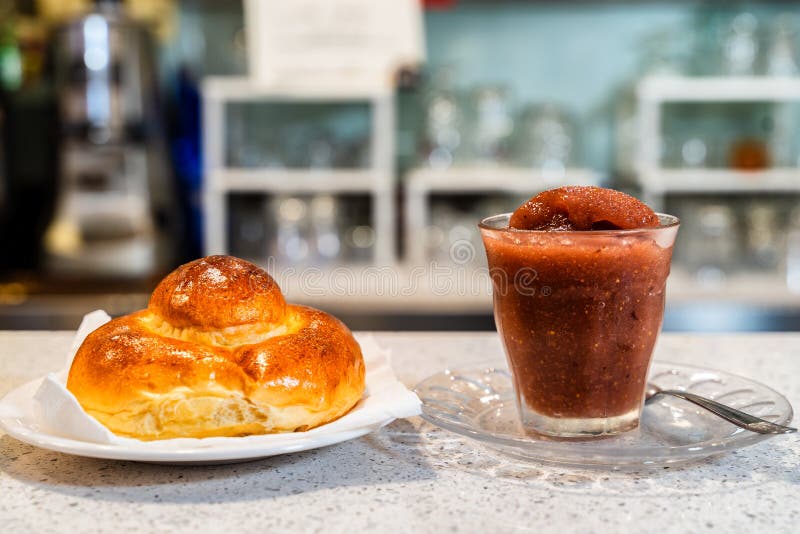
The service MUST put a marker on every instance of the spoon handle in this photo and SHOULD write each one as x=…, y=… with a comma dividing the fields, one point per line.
x=738, y=418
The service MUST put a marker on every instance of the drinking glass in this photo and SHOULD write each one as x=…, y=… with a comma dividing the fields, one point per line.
x=578, y=313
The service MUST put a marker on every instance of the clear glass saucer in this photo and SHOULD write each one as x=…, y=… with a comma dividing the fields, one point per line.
x=479, y=403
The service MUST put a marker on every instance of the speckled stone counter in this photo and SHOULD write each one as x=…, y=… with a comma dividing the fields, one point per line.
x=411, y=476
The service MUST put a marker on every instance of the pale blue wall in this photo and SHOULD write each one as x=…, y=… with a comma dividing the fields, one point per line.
x=572, y=55
x=580, y=54
x=577, y=54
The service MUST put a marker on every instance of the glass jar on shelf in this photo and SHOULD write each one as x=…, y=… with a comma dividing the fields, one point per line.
x=739, y=43
x=781, y=56
x=325, y=238
x=764, y=235
x=292, y=230
x=490, y=125
x=545, y=140
x=710, y=246
x=443, y=121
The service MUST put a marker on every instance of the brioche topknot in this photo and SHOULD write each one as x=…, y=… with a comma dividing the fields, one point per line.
x=218, y=292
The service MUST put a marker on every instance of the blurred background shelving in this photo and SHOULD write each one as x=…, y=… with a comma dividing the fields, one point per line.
x=716, y=268
x=433, y=234
x=320, y=174
x=362, y=199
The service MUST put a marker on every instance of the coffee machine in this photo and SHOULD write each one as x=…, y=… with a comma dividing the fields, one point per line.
x=113, y=166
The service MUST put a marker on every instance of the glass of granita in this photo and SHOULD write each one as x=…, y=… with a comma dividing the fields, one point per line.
x=579, y=278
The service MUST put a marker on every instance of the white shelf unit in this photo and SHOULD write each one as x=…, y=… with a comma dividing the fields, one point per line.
x=718, y=88
x=654, y=92
x=421, y=183
x=751, y=289
x=377, y=180
x=700, y=181
x=399, y=289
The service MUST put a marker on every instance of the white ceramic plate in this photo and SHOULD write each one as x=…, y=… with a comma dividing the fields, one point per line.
x=479, y=403
x=23, y=426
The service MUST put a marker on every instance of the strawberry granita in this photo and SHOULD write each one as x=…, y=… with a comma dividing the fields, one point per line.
x=579, y=284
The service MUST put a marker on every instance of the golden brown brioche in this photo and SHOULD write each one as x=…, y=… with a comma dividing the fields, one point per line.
x=217, y=352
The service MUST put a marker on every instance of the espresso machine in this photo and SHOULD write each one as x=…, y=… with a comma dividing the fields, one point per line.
x=114, y=172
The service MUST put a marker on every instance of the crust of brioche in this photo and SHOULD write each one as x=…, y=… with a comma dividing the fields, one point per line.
x=150, y=376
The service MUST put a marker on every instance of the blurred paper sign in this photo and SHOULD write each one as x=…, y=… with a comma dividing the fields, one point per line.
x=337, y=44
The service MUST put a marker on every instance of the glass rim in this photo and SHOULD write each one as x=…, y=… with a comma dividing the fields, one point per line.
x=666, y=221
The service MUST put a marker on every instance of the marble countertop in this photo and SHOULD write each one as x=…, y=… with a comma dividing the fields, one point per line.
x=411, y=476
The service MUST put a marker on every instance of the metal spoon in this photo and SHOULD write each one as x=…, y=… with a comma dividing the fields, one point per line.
x=738, y=418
